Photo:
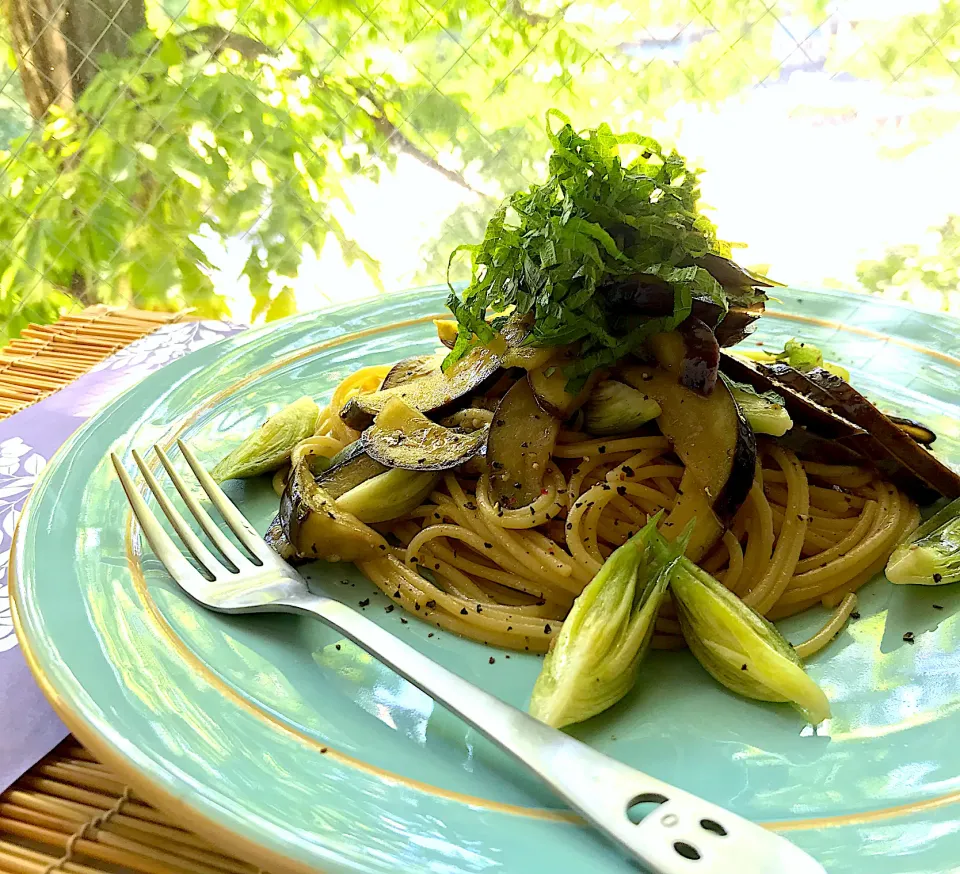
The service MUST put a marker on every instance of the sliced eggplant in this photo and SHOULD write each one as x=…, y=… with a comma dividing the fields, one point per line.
x=549, y=385
x=738, y=323
x=873, y=449
x=918, y=460
x=812, y=447
x=350, y=467
x=730, y=274
x=804, y=411
x=520, y=351
x=388, y=495
x=916, y=430
x=436, y=393
x=616, y=408
x=403, y=438
x=411, y=368
x=520, y=446
x=643, y=295
x=278, y=542
x=315, y=527
x=470, y=419
x=701, y=357
x=709, y=434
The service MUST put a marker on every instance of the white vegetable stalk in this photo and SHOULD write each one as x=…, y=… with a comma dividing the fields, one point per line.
x=268, y=448
x=594, y=660
x=738, y=647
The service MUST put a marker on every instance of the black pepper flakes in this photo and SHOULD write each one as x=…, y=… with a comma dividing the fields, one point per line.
x=323, y=750
x=389, y=608
x=621, y=490
x=463, y=611
x=396, y=594
x=479, y=609
x=909, y=638
x=431, y=604
x=492, y=660
x=547, y=629
x=488, y=546
x=628, y=471
x=854, y=615
x=365, y=602
x=383, y=546
x=524, y=445
x=430, y=634
x=403, y=621
x=937, y=578
x=743, y=667
x=601, y=449
x=937, y=606
x=337, y=646
x=416, y=605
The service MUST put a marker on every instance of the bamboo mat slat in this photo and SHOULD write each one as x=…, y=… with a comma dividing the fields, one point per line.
x=70, y=813
x=45, y=358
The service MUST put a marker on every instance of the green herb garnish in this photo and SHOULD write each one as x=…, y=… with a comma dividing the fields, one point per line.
x=548, y=251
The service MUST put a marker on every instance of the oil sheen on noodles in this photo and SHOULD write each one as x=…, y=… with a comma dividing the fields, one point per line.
x=808, y=534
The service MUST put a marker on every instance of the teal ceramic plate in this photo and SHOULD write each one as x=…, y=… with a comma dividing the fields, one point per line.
x=287, y=746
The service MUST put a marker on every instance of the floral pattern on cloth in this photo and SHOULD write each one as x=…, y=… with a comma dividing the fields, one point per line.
x=19, y=467
x=20, y=464
x=167, y=344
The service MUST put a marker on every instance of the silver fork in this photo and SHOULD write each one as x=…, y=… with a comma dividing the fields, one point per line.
x=683, y=835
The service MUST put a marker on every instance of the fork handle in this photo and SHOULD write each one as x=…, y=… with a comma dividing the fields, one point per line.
x=684, y=835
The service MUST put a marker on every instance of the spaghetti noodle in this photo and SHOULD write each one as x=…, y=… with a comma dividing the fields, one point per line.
x=808, y=534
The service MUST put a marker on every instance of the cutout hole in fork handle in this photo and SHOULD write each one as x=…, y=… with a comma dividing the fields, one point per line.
x=688, y=851
x=643, y=805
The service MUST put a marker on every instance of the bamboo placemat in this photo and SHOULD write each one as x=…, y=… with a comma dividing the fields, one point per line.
x=69, y=813
x=45, y=358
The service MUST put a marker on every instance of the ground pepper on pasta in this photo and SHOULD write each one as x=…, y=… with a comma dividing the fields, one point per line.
x=808, y=534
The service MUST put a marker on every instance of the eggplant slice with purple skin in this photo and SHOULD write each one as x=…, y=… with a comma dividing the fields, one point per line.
x=410, y=369
x=709, y=434
x=436, y=393
x=701, y=357
x=919, y=461
x=401, y=437
x=838, y=421
x=924, y=435
x=520, y=446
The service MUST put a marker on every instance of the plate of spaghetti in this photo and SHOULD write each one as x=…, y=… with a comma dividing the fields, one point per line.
x=615, y=478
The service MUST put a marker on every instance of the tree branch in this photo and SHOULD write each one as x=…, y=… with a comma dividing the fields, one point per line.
x=215, y=39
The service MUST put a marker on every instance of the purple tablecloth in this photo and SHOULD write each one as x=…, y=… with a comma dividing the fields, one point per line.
x=29, y=729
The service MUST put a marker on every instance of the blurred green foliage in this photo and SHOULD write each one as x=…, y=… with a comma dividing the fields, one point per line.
x=908, y=271
x=241, y=121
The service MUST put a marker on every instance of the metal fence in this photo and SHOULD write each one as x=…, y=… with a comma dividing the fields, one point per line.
x=259, y=158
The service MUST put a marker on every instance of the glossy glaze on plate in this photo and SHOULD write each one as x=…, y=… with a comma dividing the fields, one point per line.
x=266, y=736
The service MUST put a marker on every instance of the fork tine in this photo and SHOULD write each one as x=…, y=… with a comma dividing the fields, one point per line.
x=160, y=542
x=217, y=537
x=192, y=542
x=231, y=515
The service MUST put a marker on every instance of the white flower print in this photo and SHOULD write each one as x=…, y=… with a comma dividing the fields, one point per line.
x=166, y=344
x=19, y=468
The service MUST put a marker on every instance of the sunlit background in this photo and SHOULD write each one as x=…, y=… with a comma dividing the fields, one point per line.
x=255, y=159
